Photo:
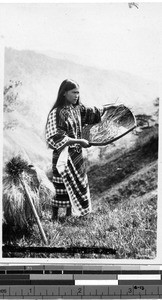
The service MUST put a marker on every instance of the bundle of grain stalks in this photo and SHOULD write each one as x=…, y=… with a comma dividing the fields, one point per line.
x=22, y=181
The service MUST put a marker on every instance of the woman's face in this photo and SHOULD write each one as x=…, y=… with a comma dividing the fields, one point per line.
x=72, y=96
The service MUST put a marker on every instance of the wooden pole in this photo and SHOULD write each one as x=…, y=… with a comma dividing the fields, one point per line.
x=34, y=211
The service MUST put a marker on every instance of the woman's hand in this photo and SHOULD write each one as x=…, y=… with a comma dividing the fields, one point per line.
x=84, y=143
x=108, y=107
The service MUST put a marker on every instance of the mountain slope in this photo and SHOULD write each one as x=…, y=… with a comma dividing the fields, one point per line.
x=41, y=76
x=96, y=85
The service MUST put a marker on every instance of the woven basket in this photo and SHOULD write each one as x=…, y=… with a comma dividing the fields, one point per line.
x=116, y=122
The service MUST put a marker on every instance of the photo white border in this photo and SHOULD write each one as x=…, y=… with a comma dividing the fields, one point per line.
x=114, y=262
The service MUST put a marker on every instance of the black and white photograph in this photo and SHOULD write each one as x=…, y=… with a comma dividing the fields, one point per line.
x=80, y=157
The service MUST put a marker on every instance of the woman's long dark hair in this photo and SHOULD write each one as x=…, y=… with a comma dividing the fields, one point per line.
x=65, y=86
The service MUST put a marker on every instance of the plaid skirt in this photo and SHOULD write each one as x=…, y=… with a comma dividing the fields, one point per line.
x=71, y=185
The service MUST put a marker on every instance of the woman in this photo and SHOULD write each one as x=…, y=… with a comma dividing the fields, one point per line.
x=64, y=135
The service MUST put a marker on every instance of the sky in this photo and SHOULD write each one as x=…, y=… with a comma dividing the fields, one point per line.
x=109, y=35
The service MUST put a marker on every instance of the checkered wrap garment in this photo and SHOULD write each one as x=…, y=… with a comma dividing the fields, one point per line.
x=71, y=182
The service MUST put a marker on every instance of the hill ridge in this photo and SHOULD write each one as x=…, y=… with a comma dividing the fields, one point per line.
x=41, y=76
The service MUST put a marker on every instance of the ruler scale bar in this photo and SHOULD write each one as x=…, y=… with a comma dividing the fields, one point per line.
x=79, y=291
x=80, y=282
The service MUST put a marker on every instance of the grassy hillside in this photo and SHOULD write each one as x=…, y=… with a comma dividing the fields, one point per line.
x=123, y=222
x=124, y=163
